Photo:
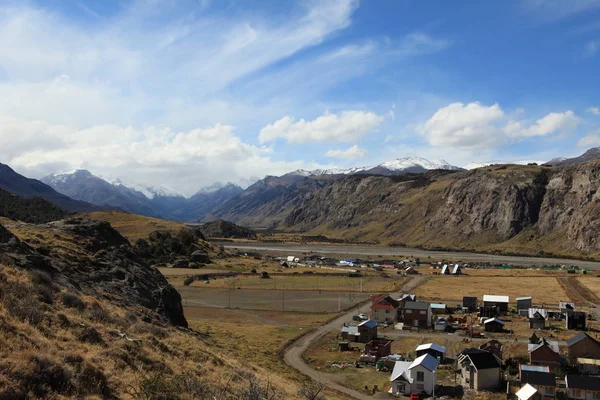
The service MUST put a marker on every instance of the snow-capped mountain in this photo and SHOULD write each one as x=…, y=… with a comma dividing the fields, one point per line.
x=150, y=191
x=398, y=166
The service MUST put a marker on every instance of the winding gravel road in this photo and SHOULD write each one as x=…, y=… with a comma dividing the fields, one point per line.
x=293, y=354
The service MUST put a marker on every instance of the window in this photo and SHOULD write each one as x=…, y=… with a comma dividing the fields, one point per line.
x=550, y=390
x=408, y=311
x=597, y=395
x=577, y=393
x=420, y=376
x=387, y=311
x=423, y=312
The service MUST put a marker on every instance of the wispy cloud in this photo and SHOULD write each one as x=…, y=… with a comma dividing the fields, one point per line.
x=591, y=48
x=552, y=10
x=593, y=110
x=351, y=153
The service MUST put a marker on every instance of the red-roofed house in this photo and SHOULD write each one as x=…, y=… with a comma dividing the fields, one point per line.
x=384, y=309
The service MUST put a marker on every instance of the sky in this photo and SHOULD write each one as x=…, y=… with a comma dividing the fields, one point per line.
x=187, y=93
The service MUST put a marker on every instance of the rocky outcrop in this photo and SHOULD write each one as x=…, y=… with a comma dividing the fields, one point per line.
x=225, y=229
x=94, y=258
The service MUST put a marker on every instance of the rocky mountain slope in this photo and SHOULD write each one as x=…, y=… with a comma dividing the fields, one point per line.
x=512, y=209
x=29, y=188
x=36, y=210
x=591, y=154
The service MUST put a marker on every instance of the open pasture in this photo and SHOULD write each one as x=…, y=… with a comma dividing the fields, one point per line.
x=277, y=300
x=369, y=283
x=545, y=290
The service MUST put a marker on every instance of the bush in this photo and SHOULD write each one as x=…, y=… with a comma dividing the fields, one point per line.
x=41, y=375
x=41, y=278
x=189, y=280
x=45, y=294
x=72, y=301
x=154, y=330
x=90, y=335
x=25, y=308
x=92, y=381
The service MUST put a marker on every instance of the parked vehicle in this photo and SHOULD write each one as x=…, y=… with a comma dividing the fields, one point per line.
x=363, y=316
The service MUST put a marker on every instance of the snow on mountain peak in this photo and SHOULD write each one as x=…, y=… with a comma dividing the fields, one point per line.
x=150, y=191
x=411, y=162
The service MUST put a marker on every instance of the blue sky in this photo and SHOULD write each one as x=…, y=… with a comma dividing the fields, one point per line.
x=186, y=93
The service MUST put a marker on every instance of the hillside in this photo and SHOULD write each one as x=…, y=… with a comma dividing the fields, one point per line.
x=226, y=229
x=81, y=316
x=36, y=209
x=28, y=188
x=528, y=210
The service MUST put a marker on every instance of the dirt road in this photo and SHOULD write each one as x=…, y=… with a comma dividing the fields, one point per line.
x=380, y=251
x=293, y=354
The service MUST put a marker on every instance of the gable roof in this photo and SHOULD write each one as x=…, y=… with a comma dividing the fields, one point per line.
x=368, y=323
x=417, y=305
x=409, y=297
x=584, y=382
x=427, y=361
x=579, y=337
x=456, y=269
x=483, y=360
x=352, y=330
x=384, y=302
x=538, y=378
x=432, y=346
x=531, y=347
x=472, y=350
x=498, y=321
x=542, y=311
x=400, y=367
x=495, y=299
x=526, y=392
x=524, y=298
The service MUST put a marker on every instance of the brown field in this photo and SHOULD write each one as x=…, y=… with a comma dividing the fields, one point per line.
x=371, y=283
x=545, y=290
x=276, y=300
x=134, y=226
x=516, y=272
x=591, y=282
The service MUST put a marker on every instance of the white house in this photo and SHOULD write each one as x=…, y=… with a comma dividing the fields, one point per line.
x=416, y=376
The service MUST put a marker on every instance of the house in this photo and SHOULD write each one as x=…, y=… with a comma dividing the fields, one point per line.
x=417, y=376
x=565, y=306
x=441, y=324
x=588, y=366
x=378, y=348
x=538, y=368
x=494, y=306
x=544, y=382
x=537, y=318
x=456, y=270
x=438, y=308
x=493, y=346
x=575, y=320
x=469, y=303
x=445, y=270
x=524, y=303
x=493, y=325
x=545, y=353
x=479, y=370
x=582, y=345
x=433, y=349
x=384, y=309
x=528, y=392
x=350, y=333
x=583, y=387
x=367, y=331
x=417, y=314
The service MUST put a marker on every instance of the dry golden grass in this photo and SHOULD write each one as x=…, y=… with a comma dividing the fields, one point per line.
x=309, y=282
x=134, y=226
x=544, y=290
x=591, y=282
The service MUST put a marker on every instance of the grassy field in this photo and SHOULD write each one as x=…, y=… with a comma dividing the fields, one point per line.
x=370, y=283
x=591, y=282
x=134, y=226
x=543, y=289
x=277, y=300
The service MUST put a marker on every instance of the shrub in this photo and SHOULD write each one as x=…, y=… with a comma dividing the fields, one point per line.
x=92, y=381
x=41, y=375
x=41, y=278
x=45, y=294
x=189, y=280
x=72, y=301
x=25, y=308
x=145, y=328
x=90, y=335
x=99, y=314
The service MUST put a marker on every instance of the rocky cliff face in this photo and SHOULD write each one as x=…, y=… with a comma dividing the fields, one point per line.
x=517, y=209
x=95, y=259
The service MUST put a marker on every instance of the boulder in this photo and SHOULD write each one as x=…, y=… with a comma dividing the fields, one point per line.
x=200, y=256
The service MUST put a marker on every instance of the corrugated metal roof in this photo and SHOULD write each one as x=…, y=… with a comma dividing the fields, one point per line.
x=524, y=298
x=538, y=368
x=432, y=346
x=368, y=323
x=495, y=299
x=443, y=306
x=487, y=321
x=426, y=360
x=352, y=330
x=400, y=367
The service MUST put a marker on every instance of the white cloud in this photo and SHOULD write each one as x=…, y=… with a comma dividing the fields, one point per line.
x=552, y=123
x=477, y=125
x=591, y=140
x=593, y=110
x=558, y=9
x=182, y=160
x=418, y=44
x=463, y=125
x=343, y=127
x=351, y=153
x=591, y=48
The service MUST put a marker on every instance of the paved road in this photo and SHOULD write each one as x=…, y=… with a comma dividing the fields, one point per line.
x=375, y=251
x=293, y=354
